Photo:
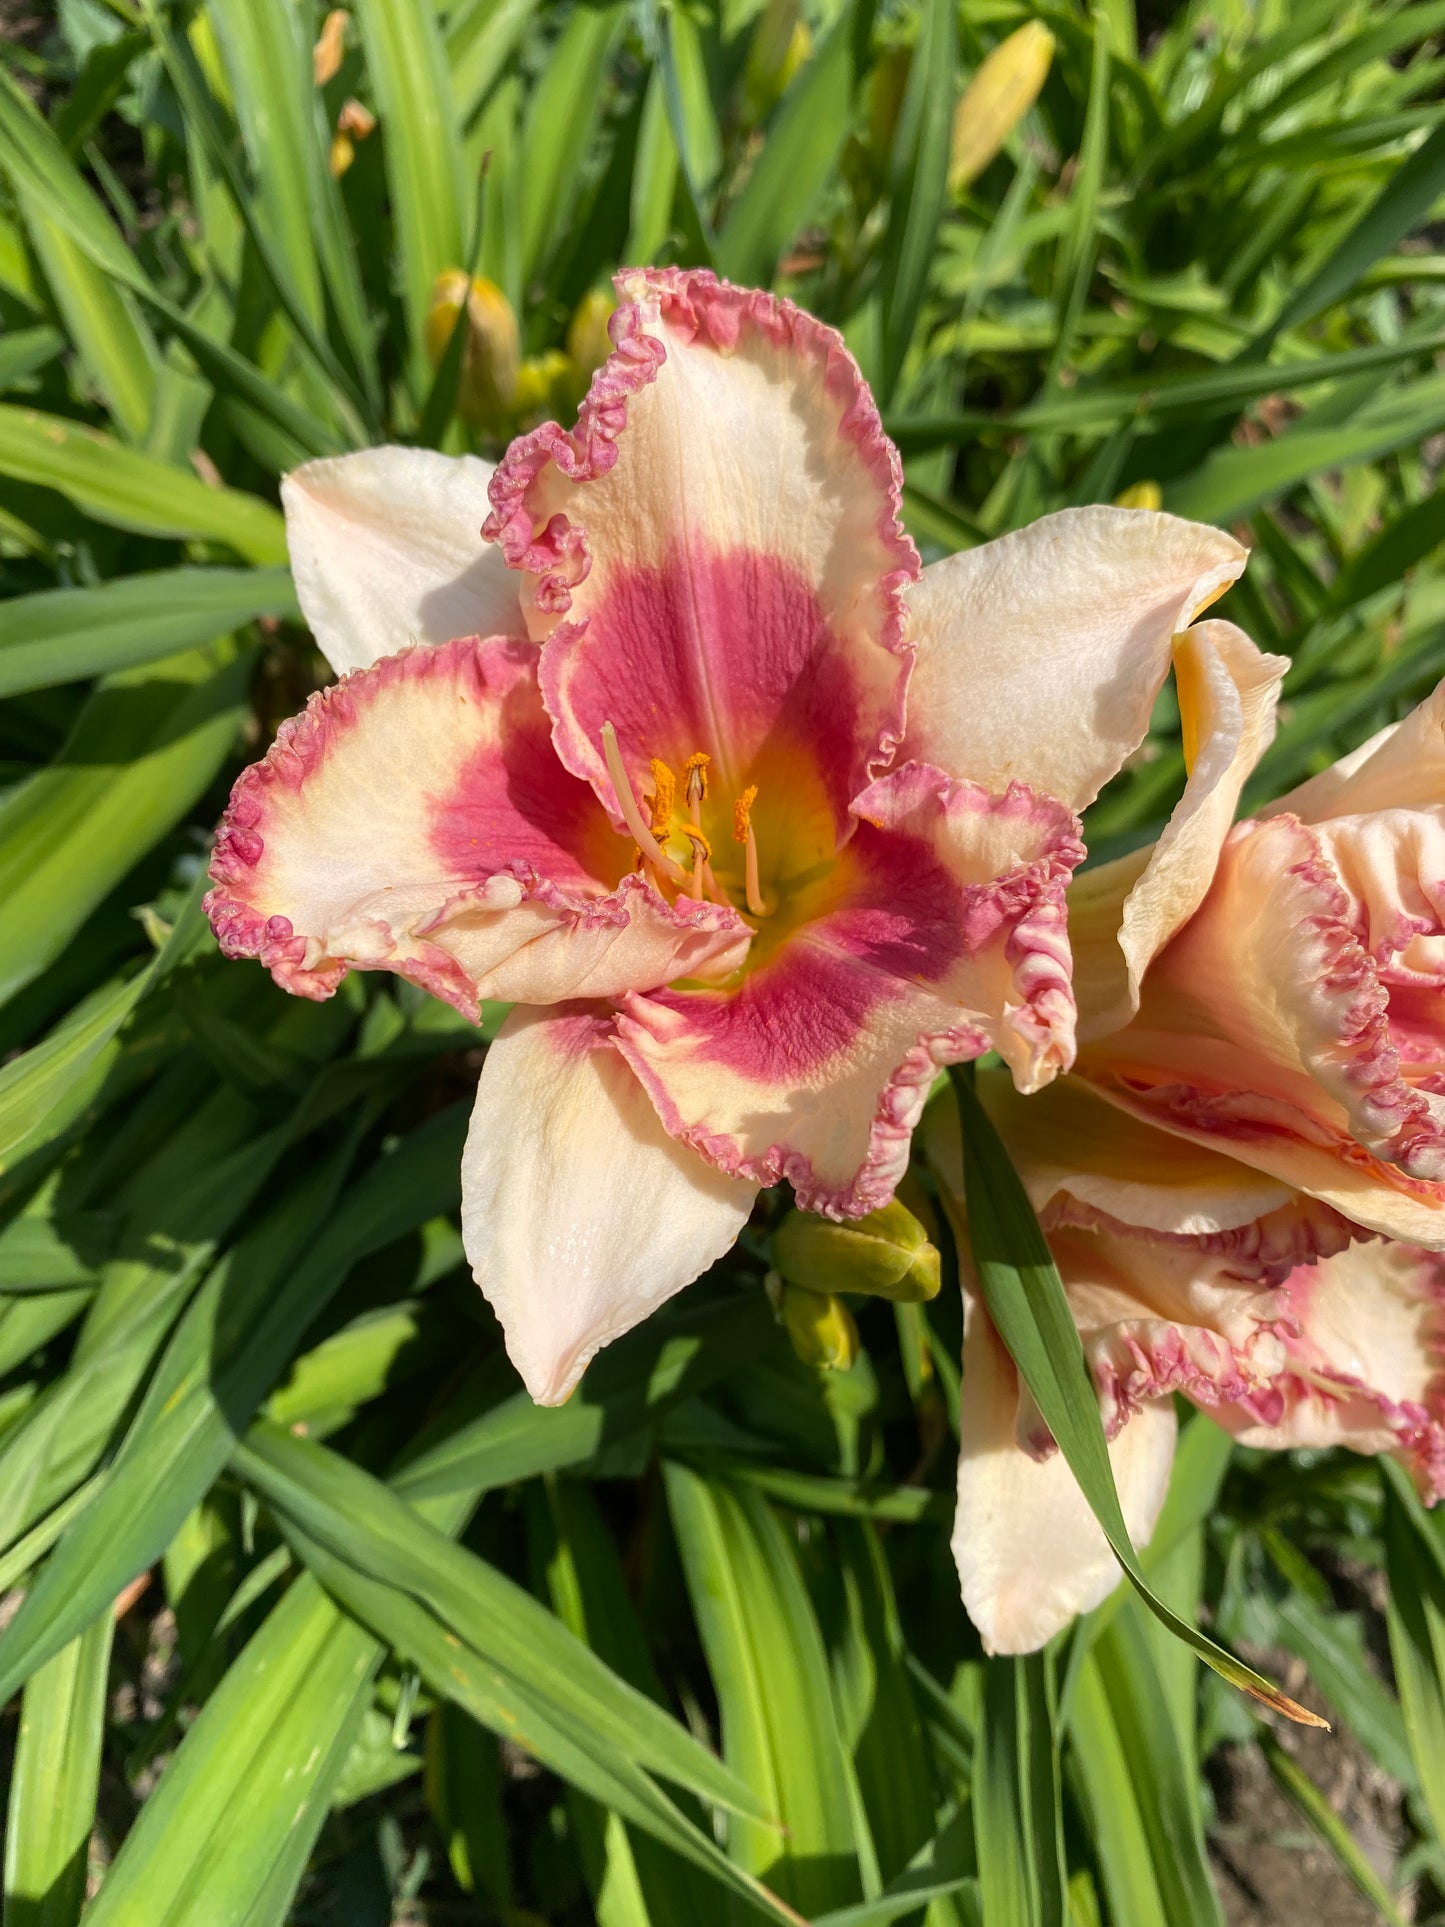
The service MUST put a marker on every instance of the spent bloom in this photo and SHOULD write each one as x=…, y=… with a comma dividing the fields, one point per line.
x=756, y=823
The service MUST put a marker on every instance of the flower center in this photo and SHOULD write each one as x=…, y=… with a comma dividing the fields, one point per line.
x=672, y=845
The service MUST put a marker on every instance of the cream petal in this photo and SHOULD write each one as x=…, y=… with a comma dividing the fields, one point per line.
x=414, y=818
x=1268, y=1029
x=1030, y=1554
x=1403, y=767
x=579, y=1214
x=387, y=551
x=1040, y=654
x=1073, y=1148
x=1365, y=1367
x=725, y=519
x=1122, y=914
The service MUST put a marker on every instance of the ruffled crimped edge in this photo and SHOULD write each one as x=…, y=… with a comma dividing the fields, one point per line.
x=301, y=745
x=1262, y=1251
x=1418, y=1430
x=1037, y=950
x=1135, y=1362
x=694, y=301
x=1401, y=1128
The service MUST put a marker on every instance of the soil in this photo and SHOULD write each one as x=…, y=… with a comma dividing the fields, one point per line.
x=1270, y=1867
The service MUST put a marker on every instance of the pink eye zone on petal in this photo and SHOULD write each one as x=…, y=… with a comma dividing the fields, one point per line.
x=725, y=654
x=416, y=819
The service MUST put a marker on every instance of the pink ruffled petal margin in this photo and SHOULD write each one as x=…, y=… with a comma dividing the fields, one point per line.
x=1338, y=1008
x=697, y=304
x=567, y=934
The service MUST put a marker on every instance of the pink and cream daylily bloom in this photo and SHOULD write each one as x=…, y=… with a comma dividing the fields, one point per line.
x=1296, y=1021
x=1186, y=1272
x=756, y=823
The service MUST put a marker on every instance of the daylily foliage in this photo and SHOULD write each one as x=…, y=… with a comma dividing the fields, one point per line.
x=758, y=824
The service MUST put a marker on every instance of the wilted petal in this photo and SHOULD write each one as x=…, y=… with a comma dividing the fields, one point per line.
x=1030, y=1554
x=414, y=818
x=938, y=935
x=1122, y=914
x=579, y=1213
x=1040, y=654
x=725, y=518
x=1364, y=1368
x=387, y=551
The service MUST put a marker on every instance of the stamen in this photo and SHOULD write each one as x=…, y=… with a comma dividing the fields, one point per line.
x=695, y=770
x=631, y=815
x=664, y=799
x=743, y=833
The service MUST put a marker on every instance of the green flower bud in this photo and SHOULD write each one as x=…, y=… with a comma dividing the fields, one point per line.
x=780, y=44
x=588, y=342
x=885, y=1255
x=819, y=1326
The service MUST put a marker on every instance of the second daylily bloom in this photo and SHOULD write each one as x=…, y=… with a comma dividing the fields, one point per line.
x=1296, y=1020
x=1186, y=1272
x=671, y=793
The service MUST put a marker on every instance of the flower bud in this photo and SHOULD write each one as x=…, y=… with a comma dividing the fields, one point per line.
x=544, y=387
x=1140, y=495
x=887, y=84
x=354, y=123
x=885, y=1255
x=820, y=1327
x=330, y=48
x=588, y=342
x=780, y=44
x=491, y=355
x=996, y=100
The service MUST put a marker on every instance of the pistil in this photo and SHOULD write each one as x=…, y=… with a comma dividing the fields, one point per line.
x=632, y=815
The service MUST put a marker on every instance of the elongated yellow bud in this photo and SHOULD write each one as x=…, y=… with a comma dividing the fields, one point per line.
x=491, y=357
x=544, y=387
x=588, y=342
x=780, y=44
x=820, y=1327
x=885, y=1255
x=1140, y=495
x=330, y=48
x=996, y=100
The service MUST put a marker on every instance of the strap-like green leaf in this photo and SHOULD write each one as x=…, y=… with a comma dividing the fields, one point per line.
x=1020, y=1285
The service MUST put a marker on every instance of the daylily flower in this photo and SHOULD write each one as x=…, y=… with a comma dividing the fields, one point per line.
x=1188, y=1272
x=755, y=823
x=1295, y=1016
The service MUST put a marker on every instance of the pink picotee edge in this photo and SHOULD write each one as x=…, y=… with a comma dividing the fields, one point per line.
x=695, y=303
x=299, y=750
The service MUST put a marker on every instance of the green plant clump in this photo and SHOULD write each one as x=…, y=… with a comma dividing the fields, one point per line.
x=308, y=1614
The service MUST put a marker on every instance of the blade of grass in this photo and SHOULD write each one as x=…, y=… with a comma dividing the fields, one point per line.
x=1020, y=1286
x=129, y=490
x=54, y=1782
x=69, y=635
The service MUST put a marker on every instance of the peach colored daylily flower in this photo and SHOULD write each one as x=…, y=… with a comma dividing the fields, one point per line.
x=1187, y=1272
x=756, y=823
x=1296, y=1021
